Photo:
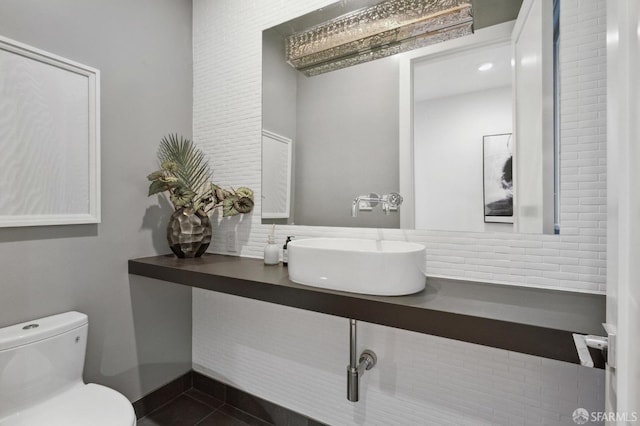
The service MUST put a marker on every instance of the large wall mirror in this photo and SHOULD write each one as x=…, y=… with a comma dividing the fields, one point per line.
x=436, y=124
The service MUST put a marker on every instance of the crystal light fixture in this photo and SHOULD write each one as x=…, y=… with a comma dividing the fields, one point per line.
x=387, y=28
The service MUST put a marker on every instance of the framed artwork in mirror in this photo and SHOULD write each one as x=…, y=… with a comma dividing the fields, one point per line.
x=49, y=138
x=498, y=178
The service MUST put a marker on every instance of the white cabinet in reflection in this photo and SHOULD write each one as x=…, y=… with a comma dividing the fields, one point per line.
x=276, y=175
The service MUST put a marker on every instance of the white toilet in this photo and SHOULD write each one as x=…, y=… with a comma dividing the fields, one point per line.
x=41, y=364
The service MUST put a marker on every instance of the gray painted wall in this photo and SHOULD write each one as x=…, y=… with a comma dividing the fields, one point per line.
x=340, y=149
x=278, y=87
x=140, y=329
x=347, y=144
x=279, y=96
x=492, y=12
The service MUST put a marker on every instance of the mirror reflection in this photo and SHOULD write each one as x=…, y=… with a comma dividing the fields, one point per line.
x=462, y=102
x=345, y=128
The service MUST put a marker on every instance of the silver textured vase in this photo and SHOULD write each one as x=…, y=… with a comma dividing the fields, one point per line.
x=189, y=233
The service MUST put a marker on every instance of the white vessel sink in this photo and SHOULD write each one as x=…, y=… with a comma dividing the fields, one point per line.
x=386, y=268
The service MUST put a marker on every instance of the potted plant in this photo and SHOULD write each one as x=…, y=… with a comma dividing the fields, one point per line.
x=185, y=176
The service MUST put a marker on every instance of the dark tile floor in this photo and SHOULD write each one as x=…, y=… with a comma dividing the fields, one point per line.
x=198, y=408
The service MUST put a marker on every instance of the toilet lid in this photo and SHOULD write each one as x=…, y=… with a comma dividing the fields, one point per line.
x=82, y=405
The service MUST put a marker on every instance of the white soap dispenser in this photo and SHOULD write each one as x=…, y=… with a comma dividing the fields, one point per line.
x=271, y=250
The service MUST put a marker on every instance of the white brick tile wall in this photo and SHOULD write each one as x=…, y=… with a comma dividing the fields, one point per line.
x=297, y=358
x=583, y=120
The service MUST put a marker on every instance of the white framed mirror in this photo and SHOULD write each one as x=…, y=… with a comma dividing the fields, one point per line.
x=49, y=138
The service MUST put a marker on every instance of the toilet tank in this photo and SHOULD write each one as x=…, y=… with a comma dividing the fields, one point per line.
x=40, y=358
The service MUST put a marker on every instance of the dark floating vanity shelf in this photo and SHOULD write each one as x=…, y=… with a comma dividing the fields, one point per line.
x=528, y=320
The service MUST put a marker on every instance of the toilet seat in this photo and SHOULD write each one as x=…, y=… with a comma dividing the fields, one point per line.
x=82, y=405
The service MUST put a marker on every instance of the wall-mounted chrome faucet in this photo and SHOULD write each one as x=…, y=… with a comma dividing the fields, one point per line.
x=388, y=201
x=357, y=366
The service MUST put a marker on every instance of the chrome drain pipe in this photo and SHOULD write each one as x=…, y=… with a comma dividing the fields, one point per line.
x=357, y=366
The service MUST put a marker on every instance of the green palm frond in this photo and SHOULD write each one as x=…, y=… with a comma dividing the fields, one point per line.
x=184, y=173
x=191, y=166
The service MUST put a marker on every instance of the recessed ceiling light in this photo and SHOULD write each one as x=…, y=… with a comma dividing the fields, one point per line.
x=485, y=67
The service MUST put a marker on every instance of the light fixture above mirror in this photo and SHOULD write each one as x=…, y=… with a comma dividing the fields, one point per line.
x=378, y=31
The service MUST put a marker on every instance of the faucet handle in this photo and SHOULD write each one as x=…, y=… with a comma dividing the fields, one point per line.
x=394, y=199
